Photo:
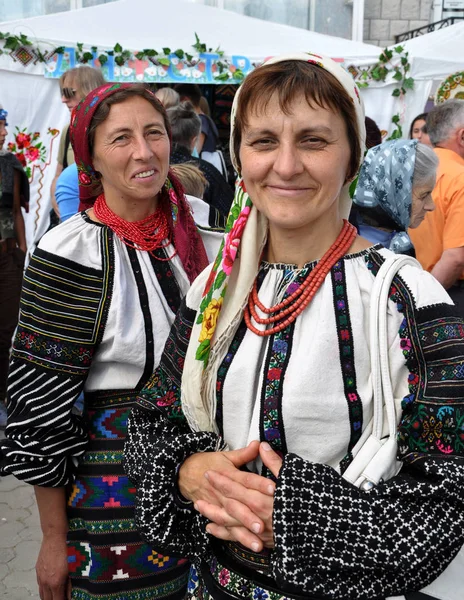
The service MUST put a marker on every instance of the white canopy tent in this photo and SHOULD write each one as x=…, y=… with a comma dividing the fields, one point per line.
x=33, y=101
x=437, y=54
x=138, y=24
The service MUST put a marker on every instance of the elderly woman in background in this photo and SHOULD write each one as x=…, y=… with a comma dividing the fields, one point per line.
x=269, y=365
x=186, y=124
x=394, y=192
x=100, y=295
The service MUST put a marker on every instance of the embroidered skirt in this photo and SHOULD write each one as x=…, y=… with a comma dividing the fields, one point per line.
x=107, y=558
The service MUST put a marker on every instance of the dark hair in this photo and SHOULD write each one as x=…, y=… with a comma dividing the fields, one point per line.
x=102, y=112
x=373, y=134
x=290, y=79
x=185, y=124
x=421, y=117
x=189, y=90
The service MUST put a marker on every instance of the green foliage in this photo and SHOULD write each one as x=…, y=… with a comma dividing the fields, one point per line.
x=388, y=63
x=87, y=56
x=199, y=46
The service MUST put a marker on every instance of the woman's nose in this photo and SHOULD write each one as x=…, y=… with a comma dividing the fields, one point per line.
x=429, y=204
x=288, y=162
x=142, y=149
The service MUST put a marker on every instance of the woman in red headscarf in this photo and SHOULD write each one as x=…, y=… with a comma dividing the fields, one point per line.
x=100, y=295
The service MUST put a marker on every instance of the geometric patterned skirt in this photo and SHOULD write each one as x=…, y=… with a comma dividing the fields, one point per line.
x=106, y=556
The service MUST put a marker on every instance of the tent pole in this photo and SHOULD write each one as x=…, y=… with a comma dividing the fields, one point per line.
x=357, y=30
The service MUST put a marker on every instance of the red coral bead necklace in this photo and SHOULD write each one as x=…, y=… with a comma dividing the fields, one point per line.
x=285, y=312
x=147, y=235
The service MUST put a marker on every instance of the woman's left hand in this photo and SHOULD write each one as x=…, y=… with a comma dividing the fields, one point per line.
x=247, y=502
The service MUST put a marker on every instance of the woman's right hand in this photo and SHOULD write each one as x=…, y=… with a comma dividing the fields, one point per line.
x=192, y=482
x=52, y=568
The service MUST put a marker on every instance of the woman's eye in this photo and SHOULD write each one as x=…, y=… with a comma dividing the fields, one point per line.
x=155, y=133
x=120, y=138
x=263, y=142
x=314, y=141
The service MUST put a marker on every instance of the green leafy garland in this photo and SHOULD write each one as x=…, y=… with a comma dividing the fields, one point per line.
x=121, y=56
x=390, y=61
x=396, y=61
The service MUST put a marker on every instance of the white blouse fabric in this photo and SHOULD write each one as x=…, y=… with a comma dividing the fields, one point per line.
x=119, y=360
x=314, y=405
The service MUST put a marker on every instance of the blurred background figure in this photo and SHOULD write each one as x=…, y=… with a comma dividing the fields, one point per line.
x=186, y=127
x=192, y=179
x=67, y=193
x=168, y=97
x=439, y=241
x=394, y=192
x=75, y=84
x=14, y=186
x=195, y=183
x=373, y=133
x=207, y=143
x=418, y=130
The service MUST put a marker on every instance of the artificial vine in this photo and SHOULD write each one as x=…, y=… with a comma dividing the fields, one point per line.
x=391, y=61
x=388, y=64
x=121, y=55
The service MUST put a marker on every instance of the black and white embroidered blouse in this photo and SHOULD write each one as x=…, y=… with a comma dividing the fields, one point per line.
x=308, y=392
x=95, y=315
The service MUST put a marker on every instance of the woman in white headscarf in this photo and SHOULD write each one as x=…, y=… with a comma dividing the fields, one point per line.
x=241, y=443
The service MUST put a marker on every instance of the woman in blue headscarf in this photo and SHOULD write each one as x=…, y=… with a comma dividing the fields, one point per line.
x=394, y=192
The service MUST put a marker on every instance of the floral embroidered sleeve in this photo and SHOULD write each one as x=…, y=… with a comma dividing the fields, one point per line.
x=61, y=307
x=158, y=442
x=400, y=535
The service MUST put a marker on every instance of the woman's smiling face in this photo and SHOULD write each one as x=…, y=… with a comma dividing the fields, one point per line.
x=294, y=165
x=131, y=151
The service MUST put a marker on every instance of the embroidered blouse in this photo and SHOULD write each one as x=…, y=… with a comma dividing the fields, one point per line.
x=307, y=391
x=95, y=315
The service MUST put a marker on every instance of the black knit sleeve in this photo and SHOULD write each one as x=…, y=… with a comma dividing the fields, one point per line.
x=400, y=535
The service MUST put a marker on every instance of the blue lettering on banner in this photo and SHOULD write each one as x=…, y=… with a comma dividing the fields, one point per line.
x=203, y=68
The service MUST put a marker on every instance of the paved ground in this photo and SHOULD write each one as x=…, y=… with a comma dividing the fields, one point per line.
x=20, y=537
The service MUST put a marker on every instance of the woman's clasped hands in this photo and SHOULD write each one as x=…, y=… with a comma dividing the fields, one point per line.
x=238, y=504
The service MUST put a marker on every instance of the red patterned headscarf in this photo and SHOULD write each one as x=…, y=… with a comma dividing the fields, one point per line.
x=185, y=236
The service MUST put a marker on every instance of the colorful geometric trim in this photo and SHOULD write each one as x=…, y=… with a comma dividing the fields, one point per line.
x=109, y=423
x=347, y=362
x=232, y=584
x=117, y=562
x=102, y=457
x=102, y=527
x=162, y=391
x=271, y=419
x=105, y=491
x=174, y=587
x=433, y=346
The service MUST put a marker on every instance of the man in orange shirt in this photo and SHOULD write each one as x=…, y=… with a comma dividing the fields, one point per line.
x=439, y=240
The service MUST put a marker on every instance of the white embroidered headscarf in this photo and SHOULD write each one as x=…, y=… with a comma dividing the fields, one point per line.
x=233, y=273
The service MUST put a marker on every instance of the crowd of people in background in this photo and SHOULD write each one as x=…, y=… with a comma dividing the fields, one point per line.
x=186, y=378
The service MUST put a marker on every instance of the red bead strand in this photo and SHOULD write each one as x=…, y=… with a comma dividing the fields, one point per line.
x=147, y=235
x=284, y=313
